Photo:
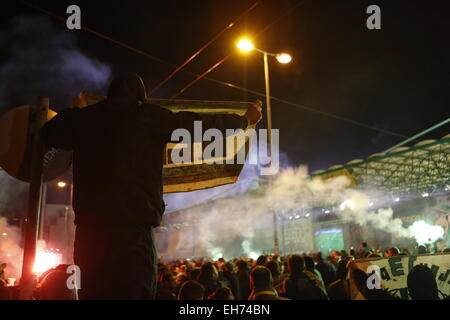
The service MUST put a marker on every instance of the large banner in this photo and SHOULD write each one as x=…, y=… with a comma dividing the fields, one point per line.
x=197, y=175
x=394, y=271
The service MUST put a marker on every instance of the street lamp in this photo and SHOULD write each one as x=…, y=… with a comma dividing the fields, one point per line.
x=247, y=46
x=61, y=184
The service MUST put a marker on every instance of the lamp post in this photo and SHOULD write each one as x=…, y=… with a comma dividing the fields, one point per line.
x=247, y=46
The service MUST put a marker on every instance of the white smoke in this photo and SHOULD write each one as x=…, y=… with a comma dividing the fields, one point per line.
x=425, y=233
x=43, y=59
x=10, y=251
x=242, y=216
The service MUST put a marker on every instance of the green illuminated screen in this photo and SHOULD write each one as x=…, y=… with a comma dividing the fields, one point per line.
x=328, y=240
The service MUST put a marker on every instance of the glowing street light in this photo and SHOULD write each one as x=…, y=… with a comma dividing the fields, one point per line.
x=245, y=45
x=283, y=58
x=61, y=184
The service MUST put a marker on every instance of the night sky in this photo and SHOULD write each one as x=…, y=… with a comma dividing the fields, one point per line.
x=396, y=78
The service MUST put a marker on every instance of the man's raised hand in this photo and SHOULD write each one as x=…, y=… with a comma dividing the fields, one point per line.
x=253, y=113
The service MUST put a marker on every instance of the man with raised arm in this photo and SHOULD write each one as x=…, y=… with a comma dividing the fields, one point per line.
x=118, y=147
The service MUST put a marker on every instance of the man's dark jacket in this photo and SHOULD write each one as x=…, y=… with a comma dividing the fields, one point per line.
x=118, y=147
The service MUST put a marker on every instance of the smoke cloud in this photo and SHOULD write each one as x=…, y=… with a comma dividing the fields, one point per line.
x=43, y=59
x=10, y=251
x=244, y=216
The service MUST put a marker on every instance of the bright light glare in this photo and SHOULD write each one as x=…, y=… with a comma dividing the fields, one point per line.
x=253, y=255
x=327, y=211
x=347, y=204
x=397, y=199
x=284, y=58
x=296, y=217
x=218, y=256
x=425, y=194
x=61, y=184
x=307, y=215
x=426, y=233
x=245, y=45
x=45, y=260
x=4, y=234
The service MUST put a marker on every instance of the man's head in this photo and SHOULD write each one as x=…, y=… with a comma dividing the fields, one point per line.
x=309, y=263
x=208, y=272
x=364, y=245
x=422, y=283
x=54, y=287
x=127, y=88
x=262, y=260
x=342, y=269
x=393, y=252
x=191, y=290
x=296, y=264
x=319, y=257
x=274, y=268
x=260, y=278
x=422, y=249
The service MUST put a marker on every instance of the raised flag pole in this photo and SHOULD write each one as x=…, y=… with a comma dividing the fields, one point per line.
x=38, y=117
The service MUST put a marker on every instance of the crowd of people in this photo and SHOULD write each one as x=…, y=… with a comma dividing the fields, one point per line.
x=294, y=277
x=269, y=277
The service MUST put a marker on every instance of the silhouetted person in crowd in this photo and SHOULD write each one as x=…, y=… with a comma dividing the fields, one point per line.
x=313, y=273
x=393, y=252
x=231, y=279
x=53, y=286
x=310, y=266
x=193, y=275
x=261, y=285
x=277, y=278
x=191, y=290
x=299, y=286
x=262, y=260
x=223, y=293
x=166, y=287
x=243, y=275
x=422, y=283
x=327, y=270
x=118, y=146
x=4, y=290
x=364, y=250
x=340, y=289
x=209, y=278
x=421, y=249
